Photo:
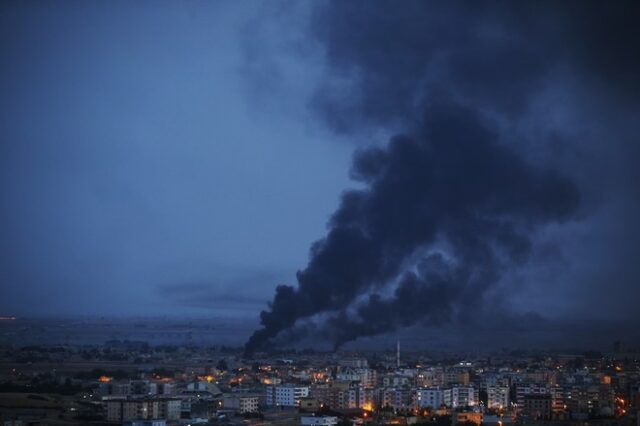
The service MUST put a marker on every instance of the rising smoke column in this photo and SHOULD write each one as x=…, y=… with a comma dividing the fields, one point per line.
x=453, y=185
x=452, y=202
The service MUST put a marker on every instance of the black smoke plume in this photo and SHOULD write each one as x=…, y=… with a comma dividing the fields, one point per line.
x=386, y=58
x=453, y=201
x=455, y=188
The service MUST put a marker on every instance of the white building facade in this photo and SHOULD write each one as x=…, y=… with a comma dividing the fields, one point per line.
x=429, y=397
x=286, y=395
x=460, y=396
x=497, y=396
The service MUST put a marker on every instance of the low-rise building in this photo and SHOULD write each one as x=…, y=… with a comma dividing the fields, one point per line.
x=318, y=420
x=467, y=417
x=242, y=403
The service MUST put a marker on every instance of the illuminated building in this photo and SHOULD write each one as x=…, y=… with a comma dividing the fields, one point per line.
x=429, y=397
x=497, y=396
x=120, y=409
x=461, y=396
x=310, y=404
x=466, y=418
x=530, y=389
x=342, y=394
x=286, y=395
x=397, y=398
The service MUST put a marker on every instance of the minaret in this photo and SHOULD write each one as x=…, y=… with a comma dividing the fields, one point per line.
x=398, y=353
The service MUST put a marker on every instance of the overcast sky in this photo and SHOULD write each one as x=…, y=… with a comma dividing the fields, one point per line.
x=134, y=161
x=181, y=157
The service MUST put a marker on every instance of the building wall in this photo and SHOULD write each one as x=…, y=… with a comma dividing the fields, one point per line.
x=498, y=396
x=461, y=396
x=285, y=395
x=429, y=397
x=126, y=409
x=467, y=418
x=318, y=420
x=537, y=406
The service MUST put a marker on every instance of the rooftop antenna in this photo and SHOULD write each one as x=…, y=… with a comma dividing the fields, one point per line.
x=398, y=353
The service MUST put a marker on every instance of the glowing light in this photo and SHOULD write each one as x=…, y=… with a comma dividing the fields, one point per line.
x=104, y=379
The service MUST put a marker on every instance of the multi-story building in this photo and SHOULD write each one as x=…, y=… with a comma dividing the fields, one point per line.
x=456, y=377
x=115, y=388
x=162, y=388
x=142, y=408
x=342, y=394
x=136, y=387
x=347, y=374
x=429, y=397
x=395, y=380
x=368, y=377
x=523, y=390
x=537, y=406
x=431, y=377
x=397, y=398
x=286, y=395
x=497, y=396
x=242, y=403
x=460, y=396
x=365, y=376
x=560, y=397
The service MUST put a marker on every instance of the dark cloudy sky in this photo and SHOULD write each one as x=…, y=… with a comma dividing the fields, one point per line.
x=134, y=159
x=181, y=157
